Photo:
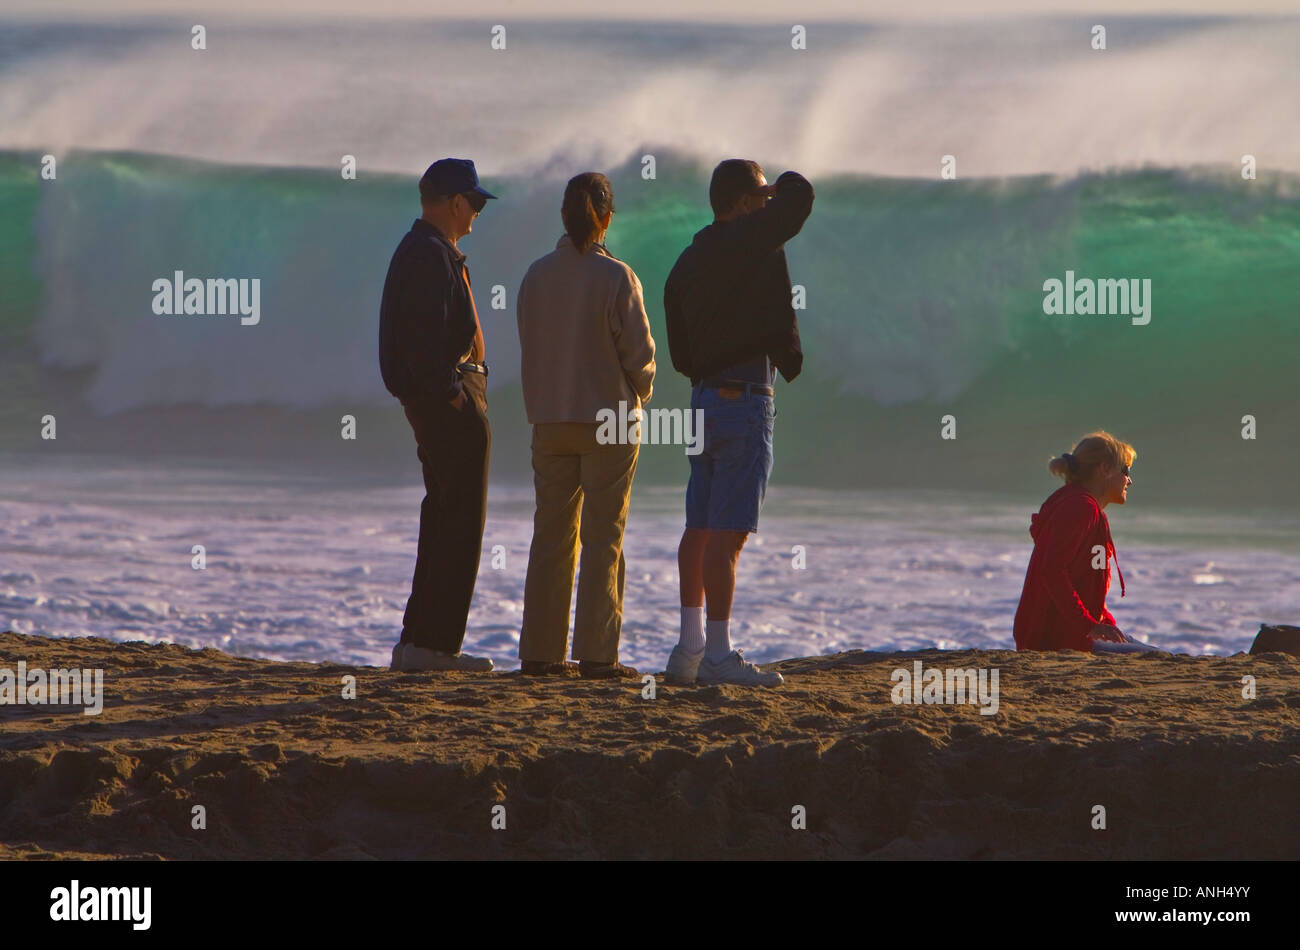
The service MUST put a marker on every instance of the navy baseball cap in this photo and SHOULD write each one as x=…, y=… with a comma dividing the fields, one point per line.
x=451, y=176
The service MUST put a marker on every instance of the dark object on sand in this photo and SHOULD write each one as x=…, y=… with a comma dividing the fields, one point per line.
x=1277, y=638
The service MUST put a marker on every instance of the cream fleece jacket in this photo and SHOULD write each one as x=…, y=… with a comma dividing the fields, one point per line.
x=584, y=337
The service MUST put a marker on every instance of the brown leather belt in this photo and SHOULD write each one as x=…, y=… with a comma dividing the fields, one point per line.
x=747, y=388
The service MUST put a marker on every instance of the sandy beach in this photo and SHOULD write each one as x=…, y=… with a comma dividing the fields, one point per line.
x=412, y=767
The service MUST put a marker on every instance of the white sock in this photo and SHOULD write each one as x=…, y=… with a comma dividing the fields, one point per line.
x=692, y=640
x=717, y=635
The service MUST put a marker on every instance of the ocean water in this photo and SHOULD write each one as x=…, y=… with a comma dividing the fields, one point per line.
x=924, y=300
x=299, y=567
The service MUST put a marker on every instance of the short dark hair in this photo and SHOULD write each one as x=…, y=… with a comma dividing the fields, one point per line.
x=732, y=180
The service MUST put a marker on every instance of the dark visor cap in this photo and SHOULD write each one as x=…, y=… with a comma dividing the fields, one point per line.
x=451, y=176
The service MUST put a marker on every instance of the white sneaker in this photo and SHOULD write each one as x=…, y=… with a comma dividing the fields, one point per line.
x=399, y=653
x=734, y=668
x=682, y=666
x=421, y=659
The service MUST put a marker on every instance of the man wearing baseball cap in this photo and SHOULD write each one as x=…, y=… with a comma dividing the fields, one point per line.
x=432, y=358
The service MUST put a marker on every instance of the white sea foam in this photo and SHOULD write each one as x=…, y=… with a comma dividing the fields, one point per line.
x=298, y=569
x=1008, y=96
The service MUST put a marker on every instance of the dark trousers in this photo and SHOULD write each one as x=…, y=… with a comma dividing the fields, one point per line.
x=453, y=446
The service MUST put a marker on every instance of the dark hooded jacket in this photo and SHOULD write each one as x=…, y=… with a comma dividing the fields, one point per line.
x=727, y=300
x=1065, y=595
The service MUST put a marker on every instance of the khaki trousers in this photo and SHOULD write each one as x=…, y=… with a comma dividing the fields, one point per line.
x=582, y=497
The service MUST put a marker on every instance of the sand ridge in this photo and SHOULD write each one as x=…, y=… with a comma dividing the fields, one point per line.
x=286, y=767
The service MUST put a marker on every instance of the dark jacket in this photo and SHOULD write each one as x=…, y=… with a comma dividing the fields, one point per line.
x=727, y=299
x=426, y=320
x=1065, y=595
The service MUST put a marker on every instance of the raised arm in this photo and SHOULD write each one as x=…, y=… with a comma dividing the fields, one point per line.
x=765, y=230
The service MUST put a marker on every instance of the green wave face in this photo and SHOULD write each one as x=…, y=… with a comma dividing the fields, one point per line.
x=19, y=197
x=923, y=299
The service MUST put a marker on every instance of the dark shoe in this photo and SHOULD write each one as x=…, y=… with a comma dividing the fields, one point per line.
x=542, y=668
x=604, y=671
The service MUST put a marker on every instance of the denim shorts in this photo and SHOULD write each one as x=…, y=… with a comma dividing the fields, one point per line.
x=729, y=475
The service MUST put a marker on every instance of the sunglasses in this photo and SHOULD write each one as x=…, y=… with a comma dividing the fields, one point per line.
x=476, y=201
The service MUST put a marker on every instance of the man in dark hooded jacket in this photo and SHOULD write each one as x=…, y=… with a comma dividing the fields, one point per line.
x=731, y=326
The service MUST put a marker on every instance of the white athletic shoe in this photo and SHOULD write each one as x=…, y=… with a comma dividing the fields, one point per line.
x=399, y=654
x=421, y=659
x=682, y=666
x=735, y=669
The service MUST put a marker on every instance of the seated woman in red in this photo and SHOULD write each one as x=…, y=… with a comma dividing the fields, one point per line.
x=1063, y=605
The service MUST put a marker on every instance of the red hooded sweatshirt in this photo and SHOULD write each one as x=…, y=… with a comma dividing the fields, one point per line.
x=1064, y=595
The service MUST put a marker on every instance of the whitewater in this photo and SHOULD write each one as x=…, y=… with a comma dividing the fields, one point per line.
x=1006, y=96
x=309, y=568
